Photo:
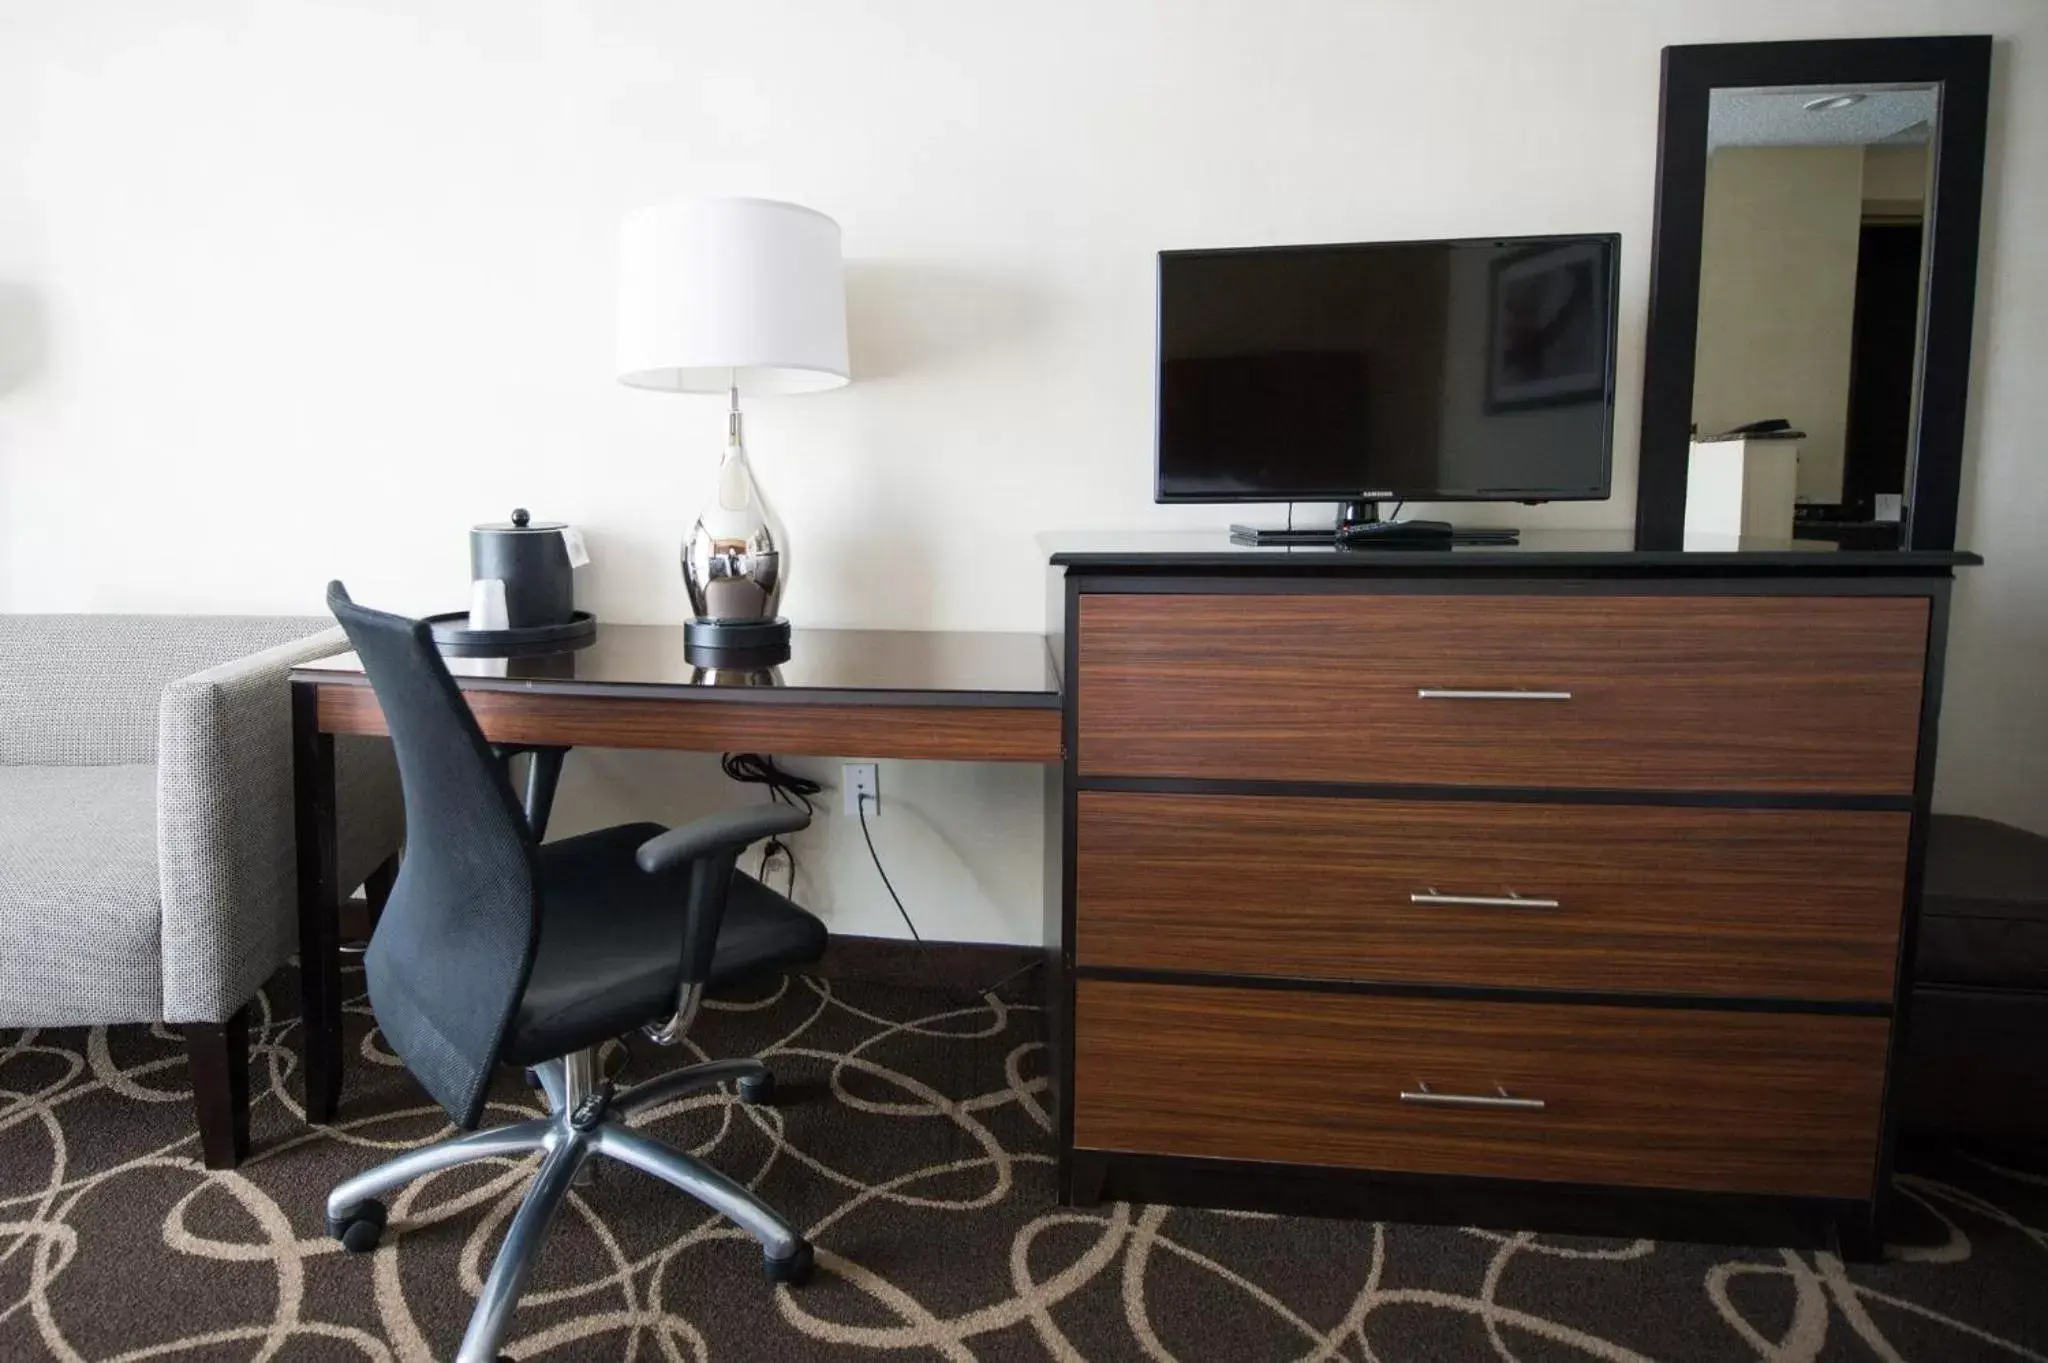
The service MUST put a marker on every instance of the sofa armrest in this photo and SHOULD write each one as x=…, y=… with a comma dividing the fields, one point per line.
x=227, y=853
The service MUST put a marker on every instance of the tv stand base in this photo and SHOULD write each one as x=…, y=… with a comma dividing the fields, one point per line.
x=1375, y=535
x=1358, y=526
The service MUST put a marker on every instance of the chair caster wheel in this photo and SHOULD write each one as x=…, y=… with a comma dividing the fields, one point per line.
x=758, y=1090
x=359, y=1230
x=794, y=1270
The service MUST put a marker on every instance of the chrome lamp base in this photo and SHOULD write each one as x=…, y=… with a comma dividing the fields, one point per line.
x=735, y=562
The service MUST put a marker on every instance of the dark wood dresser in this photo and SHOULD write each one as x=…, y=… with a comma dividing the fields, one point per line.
x=1560, y=885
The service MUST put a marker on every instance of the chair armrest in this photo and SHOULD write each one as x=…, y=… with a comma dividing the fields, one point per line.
x=707, y=851
x=730, y=831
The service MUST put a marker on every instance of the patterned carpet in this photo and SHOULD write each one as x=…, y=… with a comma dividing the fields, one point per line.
x=912, y=1148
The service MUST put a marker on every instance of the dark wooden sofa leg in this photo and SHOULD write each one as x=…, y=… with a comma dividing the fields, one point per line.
x=218, y=1054
x=377, y=889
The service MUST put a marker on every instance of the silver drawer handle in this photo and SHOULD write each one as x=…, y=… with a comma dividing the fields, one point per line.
x=1499, y=1100
x=1510, y=900
x=1439, y=693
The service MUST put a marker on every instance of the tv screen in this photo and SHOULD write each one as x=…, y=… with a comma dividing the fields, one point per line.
x=1425, y=371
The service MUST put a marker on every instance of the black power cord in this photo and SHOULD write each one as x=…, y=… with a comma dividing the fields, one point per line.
x=784, y=787
x=861, y=807
x=985, y=994
x=801, y=792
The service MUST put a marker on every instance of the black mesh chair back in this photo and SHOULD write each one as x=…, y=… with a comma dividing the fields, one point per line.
x=456, y=940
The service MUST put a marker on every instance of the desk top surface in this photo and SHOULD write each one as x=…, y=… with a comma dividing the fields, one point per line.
x=1603, y=550
x=854, y=666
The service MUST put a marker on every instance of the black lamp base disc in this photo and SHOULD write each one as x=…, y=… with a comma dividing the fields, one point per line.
x=736, y=643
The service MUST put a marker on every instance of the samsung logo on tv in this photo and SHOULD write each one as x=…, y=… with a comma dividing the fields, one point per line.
x=1370, y=496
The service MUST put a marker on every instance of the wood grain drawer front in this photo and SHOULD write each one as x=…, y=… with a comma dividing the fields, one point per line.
x=1667, y=1098
x=1705, y=692
x=1797, y=904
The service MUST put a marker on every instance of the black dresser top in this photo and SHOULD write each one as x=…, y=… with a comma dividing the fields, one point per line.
x=1604, y=551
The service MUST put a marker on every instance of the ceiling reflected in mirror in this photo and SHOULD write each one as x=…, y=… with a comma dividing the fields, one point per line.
x=1818, y=116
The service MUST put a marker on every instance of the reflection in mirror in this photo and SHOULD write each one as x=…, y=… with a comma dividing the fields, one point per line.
x=736, y=676
x=1810, y=318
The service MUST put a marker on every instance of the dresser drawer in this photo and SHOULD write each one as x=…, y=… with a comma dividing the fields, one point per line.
x=1802, y=904
x=1681, y=692
x=1669, y=1098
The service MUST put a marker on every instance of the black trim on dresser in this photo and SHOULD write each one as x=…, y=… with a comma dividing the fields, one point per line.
x=1539, y=553
x=1909, y=924
x=1491, y=1203
x=1713, y=1003
x=1527, y=795
x=1567, y=582
x=1062, y=801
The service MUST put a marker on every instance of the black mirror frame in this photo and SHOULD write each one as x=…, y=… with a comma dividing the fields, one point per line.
x=1961, y=69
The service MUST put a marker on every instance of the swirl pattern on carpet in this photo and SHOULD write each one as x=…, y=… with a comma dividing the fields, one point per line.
x=912, y=1145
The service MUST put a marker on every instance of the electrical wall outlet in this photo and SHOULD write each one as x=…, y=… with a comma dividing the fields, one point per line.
x=858, y=779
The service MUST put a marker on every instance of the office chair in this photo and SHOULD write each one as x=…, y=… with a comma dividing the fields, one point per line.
x=494, y=950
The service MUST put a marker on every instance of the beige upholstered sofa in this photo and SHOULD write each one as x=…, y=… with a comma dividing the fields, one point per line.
x=147, y=859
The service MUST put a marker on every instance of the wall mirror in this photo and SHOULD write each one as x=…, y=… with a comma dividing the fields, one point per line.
x=1813, y=283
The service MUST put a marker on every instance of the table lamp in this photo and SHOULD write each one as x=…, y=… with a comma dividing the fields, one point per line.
x=734, y=296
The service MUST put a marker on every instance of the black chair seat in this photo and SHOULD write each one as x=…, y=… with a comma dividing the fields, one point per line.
x=611, y=937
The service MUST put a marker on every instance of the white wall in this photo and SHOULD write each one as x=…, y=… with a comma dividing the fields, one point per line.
x=293, y=290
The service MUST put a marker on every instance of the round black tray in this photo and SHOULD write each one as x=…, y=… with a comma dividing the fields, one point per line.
x=458, y=640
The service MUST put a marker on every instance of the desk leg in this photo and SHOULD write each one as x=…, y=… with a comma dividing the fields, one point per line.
x=543, y=774
x=319, y=906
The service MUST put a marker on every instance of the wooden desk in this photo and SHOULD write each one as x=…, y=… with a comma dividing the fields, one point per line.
x=858, y=693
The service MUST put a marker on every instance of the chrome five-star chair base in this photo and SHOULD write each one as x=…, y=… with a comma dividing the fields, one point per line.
x=586, y=1118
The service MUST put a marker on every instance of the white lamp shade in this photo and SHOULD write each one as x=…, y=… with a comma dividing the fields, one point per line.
x=731, y=291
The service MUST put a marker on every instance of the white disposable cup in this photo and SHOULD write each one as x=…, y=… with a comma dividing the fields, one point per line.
x=487, y=604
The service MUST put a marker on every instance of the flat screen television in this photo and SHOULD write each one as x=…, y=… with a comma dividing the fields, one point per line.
x=1477, y=370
